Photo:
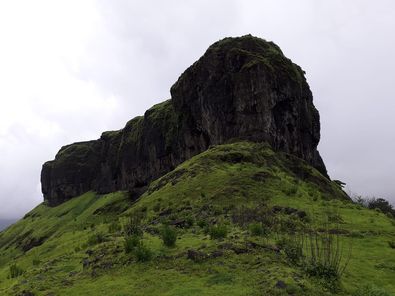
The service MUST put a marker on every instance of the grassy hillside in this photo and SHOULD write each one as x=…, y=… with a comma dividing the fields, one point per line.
x=245, y=220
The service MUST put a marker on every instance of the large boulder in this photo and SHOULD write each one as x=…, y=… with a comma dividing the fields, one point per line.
x=241, y=88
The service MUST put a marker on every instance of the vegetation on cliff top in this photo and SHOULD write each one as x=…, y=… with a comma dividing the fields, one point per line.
x=261, y=52
x=237, y=211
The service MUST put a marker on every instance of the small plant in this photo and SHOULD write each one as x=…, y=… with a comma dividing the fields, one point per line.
x=292, y=247
x=321, y=255
x=357, y=234
x=391, y=244
x=334, y=217
x=96, y=238
x=218, y=231
x=133, y=226
x=169, y=236
x=257, y=229
x=202, y=223
x=289, y=224
x=244, y=216
x=15, y=271
x=290, y=190
x=370, y=290
x=218, y=211
x=319, y=270
x=220, y=278
x=156, y=207
x=131, y=242
x=114, y=227
x=190, y=221
x=36, y=261
x=324, y=257
x=142, y=253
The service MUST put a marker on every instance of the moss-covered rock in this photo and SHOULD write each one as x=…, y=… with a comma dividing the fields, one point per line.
x=241, y=88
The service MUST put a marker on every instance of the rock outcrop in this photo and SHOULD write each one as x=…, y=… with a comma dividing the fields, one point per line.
x=241, y=88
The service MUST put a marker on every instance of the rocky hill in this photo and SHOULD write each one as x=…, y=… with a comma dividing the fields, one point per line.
x=218, y=191
x=241, y=88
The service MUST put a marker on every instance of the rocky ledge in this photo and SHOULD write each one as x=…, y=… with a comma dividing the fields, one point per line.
x=241, y=88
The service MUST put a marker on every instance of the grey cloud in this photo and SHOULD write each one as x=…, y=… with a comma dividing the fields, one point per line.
x=138, y=49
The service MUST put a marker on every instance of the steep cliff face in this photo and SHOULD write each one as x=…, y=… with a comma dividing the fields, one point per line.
x=242, y=88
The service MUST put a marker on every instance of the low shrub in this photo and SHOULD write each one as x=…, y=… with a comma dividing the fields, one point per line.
x=261, y=213
x=221, y=279
x=96, y=238
x=142, y=253
x=381, y=204
x=324, y=256
x=130, y=243
x=257, y=229
x=290, y=190
x=334, y=217
x=289, y=224
x=218, y=231
x=169, y=236
x=202, y=223
x=36, y=261
x=156, y=207
x=133, y=226
x=391, y=244
x=114, y=227
x=357, y=234
x=196, y=256
x=134, y=245
x=190, y=221
x=376, y=203
x=292, y=248
x=15, y=271
x=320, y=255
x=320, y=270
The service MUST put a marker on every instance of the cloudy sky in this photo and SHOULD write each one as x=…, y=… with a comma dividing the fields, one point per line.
x=72, y=69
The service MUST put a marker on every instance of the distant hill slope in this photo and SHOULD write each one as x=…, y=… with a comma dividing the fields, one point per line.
x=240, y=211
x=4, y=223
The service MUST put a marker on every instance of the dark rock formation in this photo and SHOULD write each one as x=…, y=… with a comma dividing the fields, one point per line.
x=242, y=88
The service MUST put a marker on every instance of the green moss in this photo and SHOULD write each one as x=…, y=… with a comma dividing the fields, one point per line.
x=133, y=130
x=164, y=117
x=259, y=52
x=111, y=134
x=75, y=152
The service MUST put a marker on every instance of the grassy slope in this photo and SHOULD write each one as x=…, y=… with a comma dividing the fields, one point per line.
x=215, y=187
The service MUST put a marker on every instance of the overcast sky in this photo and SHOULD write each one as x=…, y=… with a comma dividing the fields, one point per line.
x=72, y=69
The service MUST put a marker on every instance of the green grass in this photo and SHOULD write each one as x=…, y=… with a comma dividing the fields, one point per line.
x=232, y=186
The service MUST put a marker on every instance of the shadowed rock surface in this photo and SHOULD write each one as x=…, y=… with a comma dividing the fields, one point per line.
x=242, y=88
